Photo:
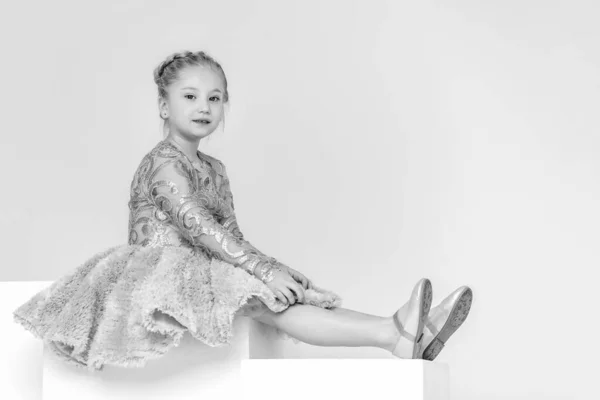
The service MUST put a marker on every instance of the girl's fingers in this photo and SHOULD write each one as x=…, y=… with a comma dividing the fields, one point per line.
x=280, y=296
x=300, y=279
x=297, y=277
x=299, y=292
x=290, y=296
x=304, y=282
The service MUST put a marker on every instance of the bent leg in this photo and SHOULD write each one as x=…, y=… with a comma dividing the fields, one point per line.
x=333, y=327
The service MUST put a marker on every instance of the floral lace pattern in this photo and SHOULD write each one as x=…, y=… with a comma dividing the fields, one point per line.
x=177, y=202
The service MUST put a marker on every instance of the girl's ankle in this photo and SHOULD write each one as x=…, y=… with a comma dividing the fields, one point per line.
x=389, y=335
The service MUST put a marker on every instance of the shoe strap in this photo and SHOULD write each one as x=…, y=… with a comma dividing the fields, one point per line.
x=431, y=328
x=401, y=329
x=443, y=316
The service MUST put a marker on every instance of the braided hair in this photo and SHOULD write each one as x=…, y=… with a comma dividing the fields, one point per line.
x=167, y=71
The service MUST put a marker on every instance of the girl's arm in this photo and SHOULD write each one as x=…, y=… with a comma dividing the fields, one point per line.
x=171, y=190
x=230, y=221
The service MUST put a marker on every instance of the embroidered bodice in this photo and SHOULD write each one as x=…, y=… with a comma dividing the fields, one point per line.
x=177, y=202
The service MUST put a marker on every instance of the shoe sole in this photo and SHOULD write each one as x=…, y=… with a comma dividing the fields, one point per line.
x=457, y=316
x=425, y=306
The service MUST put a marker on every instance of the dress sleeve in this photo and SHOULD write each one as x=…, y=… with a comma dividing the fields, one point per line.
x=172, y=191
x=230, y=221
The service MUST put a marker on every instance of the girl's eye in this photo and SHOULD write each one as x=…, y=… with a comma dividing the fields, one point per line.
x=216, y=98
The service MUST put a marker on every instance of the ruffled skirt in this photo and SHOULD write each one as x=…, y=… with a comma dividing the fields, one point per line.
x=131, y=303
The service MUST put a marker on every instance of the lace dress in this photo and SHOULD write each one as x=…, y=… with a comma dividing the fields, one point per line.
x=186, y=267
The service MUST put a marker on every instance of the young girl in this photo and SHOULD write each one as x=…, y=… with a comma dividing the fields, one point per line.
x=188, y=267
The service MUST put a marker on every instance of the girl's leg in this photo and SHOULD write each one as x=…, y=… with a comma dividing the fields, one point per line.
x=334, y=327
x=356, y=314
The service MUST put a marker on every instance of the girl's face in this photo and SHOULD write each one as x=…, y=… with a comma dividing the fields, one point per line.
x=195, y=103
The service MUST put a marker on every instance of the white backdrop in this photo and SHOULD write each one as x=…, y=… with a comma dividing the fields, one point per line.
x=369, y=144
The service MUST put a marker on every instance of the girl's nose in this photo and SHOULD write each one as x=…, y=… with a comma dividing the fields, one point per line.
x=203, y=106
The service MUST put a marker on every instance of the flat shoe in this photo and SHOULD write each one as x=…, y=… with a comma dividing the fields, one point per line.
x=411, y=332
x=443, y=320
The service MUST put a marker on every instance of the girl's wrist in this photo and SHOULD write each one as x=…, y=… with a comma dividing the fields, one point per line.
x=259, y=269
x=265, y=272
x=251, y=264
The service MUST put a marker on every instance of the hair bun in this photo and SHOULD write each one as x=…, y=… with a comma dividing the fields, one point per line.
x=158, y=71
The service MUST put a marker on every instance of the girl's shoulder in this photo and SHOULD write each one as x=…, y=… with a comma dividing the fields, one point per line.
x=161, y=156
x=166, y=149
x=216, y=163
x=164, y=152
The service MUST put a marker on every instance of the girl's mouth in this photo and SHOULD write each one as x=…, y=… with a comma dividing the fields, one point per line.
x=202, y=121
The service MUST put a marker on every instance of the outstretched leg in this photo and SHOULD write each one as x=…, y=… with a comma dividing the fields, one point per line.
x=334, y=327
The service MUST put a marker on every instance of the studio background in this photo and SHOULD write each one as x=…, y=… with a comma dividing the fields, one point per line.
x=368, y=144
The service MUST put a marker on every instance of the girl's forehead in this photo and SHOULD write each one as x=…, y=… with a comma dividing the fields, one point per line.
x=200, y=77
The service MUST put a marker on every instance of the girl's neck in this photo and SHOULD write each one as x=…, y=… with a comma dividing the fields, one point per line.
x=189, y=147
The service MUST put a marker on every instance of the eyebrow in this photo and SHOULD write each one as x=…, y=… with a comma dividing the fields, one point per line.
x=193, y=88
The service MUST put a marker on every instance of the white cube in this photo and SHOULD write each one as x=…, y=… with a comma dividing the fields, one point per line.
x=21, y=361
x=315, y=379
x=192, y=370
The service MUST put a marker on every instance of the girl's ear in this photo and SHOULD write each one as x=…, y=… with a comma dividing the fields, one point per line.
x=162, y=106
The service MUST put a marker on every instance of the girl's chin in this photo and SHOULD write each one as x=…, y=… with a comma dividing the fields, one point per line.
x=201, y=131
x=204, y=128
x=196, y=134
x=200, y=135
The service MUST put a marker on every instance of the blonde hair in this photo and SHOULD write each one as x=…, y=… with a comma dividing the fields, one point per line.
x=168, y=71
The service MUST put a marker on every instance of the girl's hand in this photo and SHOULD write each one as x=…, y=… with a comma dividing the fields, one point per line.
x=298, y=277
x=285, y=288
